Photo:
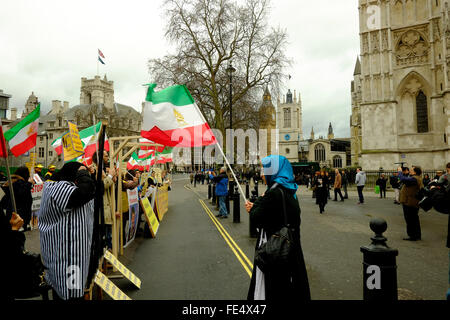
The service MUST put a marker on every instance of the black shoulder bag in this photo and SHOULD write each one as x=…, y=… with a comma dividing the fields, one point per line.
x=274, y=255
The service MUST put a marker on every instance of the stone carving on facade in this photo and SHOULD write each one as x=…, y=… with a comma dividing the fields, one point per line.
x=365, y=42
x=412, y=48
x=385, y=40
x=374, y=41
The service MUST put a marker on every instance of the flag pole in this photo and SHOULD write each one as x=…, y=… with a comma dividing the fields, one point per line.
x=226, y=160
x=5, y=152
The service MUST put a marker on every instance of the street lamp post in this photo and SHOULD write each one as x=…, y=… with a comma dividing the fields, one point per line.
x=230, y=71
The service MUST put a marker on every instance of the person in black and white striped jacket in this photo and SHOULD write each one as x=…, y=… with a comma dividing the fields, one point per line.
x=66, y=219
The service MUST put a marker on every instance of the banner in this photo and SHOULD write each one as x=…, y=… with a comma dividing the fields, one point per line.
x=72, y=145
x=36, y=193
x=133, y=216
x=152, y=221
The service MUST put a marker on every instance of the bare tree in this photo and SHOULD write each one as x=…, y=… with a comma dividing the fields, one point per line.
x=208, y=35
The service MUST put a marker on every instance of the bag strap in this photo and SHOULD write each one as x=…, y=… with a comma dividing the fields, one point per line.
x=284, y=204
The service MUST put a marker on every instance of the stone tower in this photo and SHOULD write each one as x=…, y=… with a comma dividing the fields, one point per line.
x=330, y=132
x=402, y=105
x=355, y=118
x=312, y=133
x=97, y=91
x=267, y=119
x=289, y=123
x=30, y=105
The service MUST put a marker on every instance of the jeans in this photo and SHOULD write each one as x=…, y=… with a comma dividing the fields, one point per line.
x=382, y=191
x=344, y=186
x=397, y=194
x=360, y=194
x=222, y=206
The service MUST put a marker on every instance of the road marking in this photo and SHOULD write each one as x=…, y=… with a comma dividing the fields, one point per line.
x=231, y=239
x=214, y=220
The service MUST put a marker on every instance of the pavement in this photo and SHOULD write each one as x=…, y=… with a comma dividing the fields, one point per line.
x=195, y=256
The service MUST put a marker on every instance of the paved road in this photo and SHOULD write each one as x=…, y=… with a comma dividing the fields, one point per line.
x=190, y=258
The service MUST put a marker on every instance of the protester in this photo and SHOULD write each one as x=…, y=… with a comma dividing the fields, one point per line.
x=313, y=184
x=381, y=182
x=321, y=184
x=360, y=182
x=395, y=183
x=3, y=178
x=330, y=181
x=66, y=219
x=222, y=191
x=411, y=186
x=13, y=243
x=426, y=179
x=438, y=175
x=22, y=193
x=337, y=185
x=444, y=179
x=38, y=171
x=266, y=215
x=109, y=178
x=50, y=172
x=152, y=179
x=344, y=183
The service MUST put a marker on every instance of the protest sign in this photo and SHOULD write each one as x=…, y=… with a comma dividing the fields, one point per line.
x=122, y=269
x=109, y=287
x=150, y=216
x=133, y=217
x=36, y=194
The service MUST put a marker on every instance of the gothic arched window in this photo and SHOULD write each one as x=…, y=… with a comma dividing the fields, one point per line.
x=287, y=117
x=337, y=162
x=319, y=152
x=422, y=112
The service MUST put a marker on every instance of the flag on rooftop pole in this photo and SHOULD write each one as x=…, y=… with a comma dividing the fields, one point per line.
x=172, y=118
x=22, y=137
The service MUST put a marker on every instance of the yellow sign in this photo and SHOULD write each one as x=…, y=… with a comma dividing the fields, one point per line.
x=123, y=270
x=109, y=287
x=152, y=221
x=162, y=201
x=76, y=140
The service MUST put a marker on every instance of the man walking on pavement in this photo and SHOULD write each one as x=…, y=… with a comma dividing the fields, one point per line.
x=337, y=185
x=222, y=191
x=344, y=183
x=360, y=182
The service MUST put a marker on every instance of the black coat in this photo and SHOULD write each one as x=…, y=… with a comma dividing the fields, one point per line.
x=23, y=197
x=321, y=183
x=13, y=243
x=267, y=213
x=381, y=182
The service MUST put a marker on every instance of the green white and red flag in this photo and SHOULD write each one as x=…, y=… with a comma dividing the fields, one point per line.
x=172, y=118
x=166, y=156
x=144, y=141
x=22, y=137
x=89, y=138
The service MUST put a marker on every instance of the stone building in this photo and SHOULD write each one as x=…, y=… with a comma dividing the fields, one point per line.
x=401, y=96
x=328, y=152
x=289, y=123
x=96, y=104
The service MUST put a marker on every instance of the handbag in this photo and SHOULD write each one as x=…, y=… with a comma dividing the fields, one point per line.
x=377, y=189
x=276, y=252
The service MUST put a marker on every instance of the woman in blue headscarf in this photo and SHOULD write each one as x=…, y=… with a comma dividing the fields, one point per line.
x=267, y=215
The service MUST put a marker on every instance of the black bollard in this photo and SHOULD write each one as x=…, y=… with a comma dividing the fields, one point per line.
x=253, y=231
x=236, y=206
x=227, y=203
x=247, y=190
x=379, y=266
x=209, y=191
x=213, y=201
x=256, y=188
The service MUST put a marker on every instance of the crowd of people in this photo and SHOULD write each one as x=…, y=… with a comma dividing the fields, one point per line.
x=65, y=222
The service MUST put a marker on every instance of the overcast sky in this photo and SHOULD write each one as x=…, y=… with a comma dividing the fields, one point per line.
x=47, y=46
